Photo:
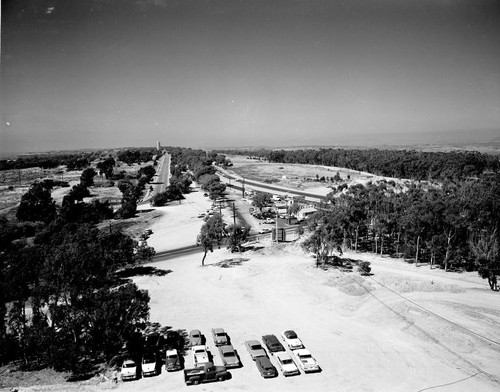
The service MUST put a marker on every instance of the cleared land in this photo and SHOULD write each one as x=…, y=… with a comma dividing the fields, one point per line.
x=402, y=329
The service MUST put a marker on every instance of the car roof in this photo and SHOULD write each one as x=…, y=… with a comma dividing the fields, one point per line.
x=289, y=332
x=271, y=338
x=226, y=348
x=302, y=351
x=171, y=352
x=282, y=355
x=195, y=332
x=218, y=330
x=265, y=361
x=129, y=361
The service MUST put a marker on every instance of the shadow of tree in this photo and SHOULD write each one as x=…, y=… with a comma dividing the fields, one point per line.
x=141, y=270
x=229, y=263
x=346, y=264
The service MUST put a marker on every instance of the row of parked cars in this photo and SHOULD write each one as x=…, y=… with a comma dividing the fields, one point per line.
x=285, y=361
x=204, y=369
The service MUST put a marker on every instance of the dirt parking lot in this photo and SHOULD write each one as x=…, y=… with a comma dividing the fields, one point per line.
x=379, y=333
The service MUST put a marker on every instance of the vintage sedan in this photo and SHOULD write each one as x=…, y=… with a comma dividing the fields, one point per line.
x=286, y=364
x=229, y=357
x=272, y=343
x=195, y=338
x=291, y=340
x=266, y=368
x=255, y=349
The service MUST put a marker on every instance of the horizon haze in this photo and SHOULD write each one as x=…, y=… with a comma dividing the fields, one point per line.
x=204, y=74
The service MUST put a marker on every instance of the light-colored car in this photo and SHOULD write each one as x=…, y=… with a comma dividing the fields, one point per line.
x=270, y=220
x=306, y=361
x=195, y=337
x=255, y=349
x=220, y=337
x=292, y=340
x=265, y=230
x=286, y=364
x=172, y=361
x=128, y=370
x=229, y=357
x=200, y=355
x=149, y=365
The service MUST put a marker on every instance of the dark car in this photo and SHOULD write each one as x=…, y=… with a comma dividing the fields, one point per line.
x=173, y=361
x=266, y=368
x=154, y=342
x=174, y=340
x=272, y=343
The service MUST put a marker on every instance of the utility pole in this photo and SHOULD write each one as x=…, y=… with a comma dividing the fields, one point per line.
x=234, y=215
x=243, y=188
x=277, y=240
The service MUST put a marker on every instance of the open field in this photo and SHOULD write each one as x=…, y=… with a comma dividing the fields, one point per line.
x=299, y=176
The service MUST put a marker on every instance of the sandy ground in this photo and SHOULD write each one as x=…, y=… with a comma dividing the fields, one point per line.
x=402, y=329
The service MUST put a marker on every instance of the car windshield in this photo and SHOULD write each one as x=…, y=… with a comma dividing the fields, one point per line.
x=286, y=361
x=220, y=334
x=291, y=335
x=129, y=365
x=149, y=360
x=229, y=354
x=172, y=356
x=306, y=356
x=195, y=335
x=256, y=347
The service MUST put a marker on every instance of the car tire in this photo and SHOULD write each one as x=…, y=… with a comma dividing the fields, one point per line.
x=196, y=382
x=220, y=378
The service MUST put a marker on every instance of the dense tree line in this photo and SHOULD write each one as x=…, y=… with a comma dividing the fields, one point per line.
x=60, y=298
x=62, y=303
x=453, y=225
x=416, y=165
x=75, y=161
x=136, y=155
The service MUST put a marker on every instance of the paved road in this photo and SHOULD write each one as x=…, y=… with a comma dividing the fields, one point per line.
x=163, y=174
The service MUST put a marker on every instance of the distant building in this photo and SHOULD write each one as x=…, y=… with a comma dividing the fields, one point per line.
x=158, y=146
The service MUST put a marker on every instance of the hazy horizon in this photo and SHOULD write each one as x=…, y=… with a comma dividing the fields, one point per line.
x=104, y=73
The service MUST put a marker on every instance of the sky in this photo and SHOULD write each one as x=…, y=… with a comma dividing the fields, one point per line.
x=229, y=73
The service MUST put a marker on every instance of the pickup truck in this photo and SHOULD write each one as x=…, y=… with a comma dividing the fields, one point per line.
x=205, y=373
x=200, y=355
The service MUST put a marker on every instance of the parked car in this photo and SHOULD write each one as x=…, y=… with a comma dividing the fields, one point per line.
x=306, y=361
x=255, y=349
x=292, y=340
x=174, y=340
x=229, y=357
x=195, y=338
x=200, y=354
x=266, y=368
x=220, y=337
x=149, y=365
x=272, y=343
x=128, y=370
x=173, y=361
x=265, y=230
x=270, y=220
x=205, y=373
x=286, y=364
x=154, y=342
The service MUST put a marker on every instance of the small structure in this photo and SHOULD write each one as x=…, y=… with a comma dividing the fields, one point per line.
x=305, y=212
